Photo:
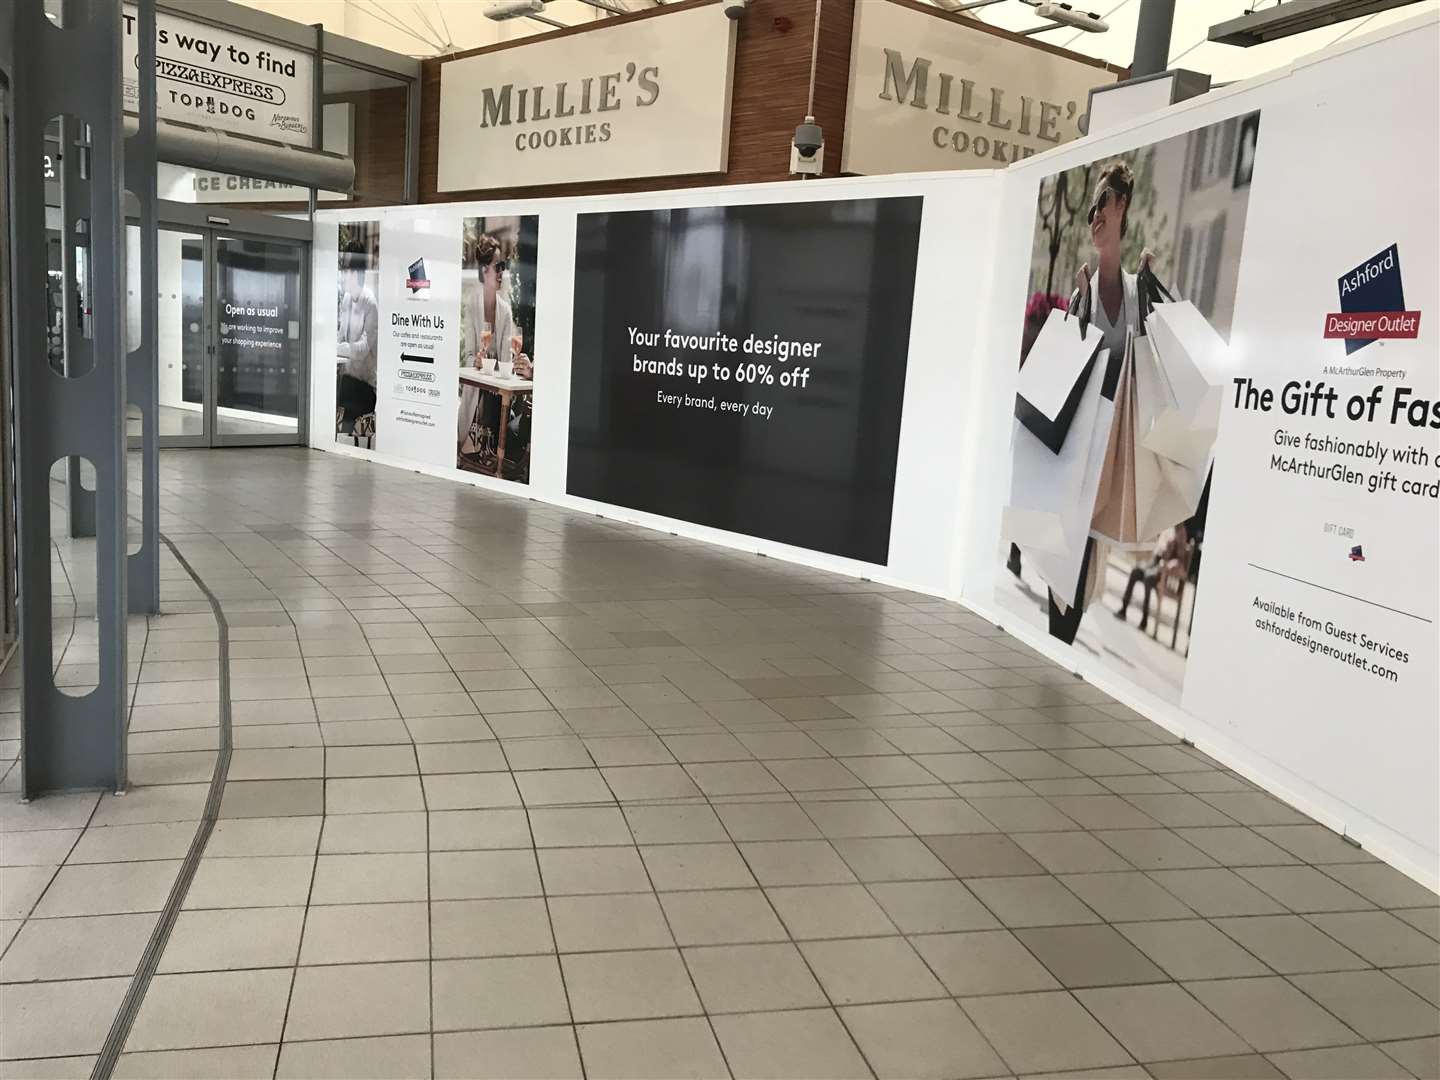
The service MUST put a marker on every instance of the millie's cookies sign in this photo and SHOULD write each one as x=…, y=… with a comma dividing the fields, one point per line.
x=928, y=92
x=646, y=97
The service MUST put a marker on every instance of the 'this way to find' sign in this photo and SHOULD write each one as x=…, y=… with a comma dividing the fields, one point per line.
x=212, y=76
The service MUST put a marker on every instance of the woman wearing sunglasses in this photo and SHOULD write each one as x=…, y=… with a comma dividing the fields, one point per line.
x=1113, y=297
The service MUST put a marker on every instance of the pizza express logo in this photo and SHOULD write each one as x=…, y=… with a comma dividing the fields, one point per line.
x=512, y=106
x=1372, y=304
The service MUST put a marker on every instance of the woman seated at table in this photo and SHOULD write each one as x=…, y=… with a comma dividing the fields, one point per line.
x=489, y=327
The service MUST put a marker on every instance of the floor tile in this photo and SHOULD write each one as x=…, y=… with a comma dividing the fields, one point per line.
x=1420, y=1056
x=369, y=879
x=228, y=938
x=628, y=985
x=392, y=1057
x=1156, y=1023
x=675, y=867
x=922, y=1039
x=53, y=1019
x=1289, y=944
x=798, y=1045
x=862, y=970
x=211, y=1009
x=651, y=1050
x=1373, y=1004
x=1082, y=956
x=1030, y=901
x=89, y=947
x=1216, y=892
x=829, y=911
x=932, y=907
x=1043, y=1032
x=99, y=889
x=483, y=875
x=690, y=824
x=220, y=1063
x=748, y=978
x=1270, y=1014
x=612, y=921
x=579, y=826
x=986, y=962
x=474, y=928
x=721, y=917
x=534, y=1053
x=1235, y=1067
x=1339, y=1063
x=509, y=991
x=373, y=834
x=365, y=933
x=890, y=858
x=1191, y=949
x=1379, y=937
x=349, y=1000
x=982, y=855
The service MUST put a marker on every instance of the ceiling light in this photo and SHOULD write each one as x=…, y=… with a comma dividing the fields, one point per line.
x=499, y=10
x=1294, y=17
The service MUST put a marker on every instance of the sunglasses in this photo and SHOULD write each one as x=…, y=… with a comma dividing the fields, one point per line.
x=1099, y=204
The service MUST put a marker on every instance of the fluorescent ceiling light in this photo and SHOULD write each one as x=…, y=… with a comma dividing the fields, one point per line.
x=1295, y=17
x=500, y=10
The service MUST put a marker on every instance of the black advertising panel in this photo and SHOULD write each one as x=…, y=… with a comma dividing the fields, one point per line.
x=743, y=367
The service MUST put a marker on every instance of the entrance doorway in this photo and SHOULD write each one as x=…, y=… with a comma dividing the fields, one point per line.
x=232, y=339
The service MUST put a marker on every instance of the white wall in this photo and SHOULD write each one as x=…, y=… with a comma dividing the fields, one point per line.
x=950, y=292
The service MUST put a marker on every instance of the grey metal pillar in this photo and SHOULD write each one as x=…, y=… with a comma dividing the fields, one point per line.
x=142, y=370
x=1152, y=37
x=69, y=742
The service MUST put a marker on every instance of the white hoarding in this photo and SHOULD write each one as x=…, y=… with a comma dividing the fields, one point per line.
x=648, y=97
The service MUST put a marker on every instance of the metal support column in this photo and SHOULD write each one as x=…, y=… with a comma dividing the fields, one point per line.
x=1152, y=37
x=142, y=364
x=67, y=741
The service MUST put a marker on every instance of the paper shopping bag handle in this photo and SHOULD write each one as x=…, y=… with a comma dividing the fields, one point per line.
x=1084, y=311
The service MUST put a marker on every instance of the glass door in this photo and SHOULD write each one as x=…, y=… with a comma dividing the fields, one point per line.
x=258, y=349
x=231, y=341
x=181, y=337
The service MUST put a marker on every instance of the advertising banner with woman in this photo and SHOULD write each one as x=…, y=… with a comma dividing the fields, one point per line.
x=357, y=332
x=1130, y=299
x=497, y=332
x=1222, y=503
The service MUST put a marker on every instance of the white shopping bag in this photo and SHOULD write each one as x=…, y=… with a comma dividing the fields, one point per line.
x=1141, y=493
x=1052, y=496
x=1053, y=377
x=1191, y=358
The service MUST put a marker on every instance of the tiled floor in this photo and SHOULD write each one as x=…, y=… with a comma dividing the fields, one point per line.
x=525, y=793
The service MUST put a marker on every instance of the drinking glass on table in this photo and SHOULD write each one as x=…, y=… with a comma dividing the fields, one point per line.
x=487, y=335
x=517, y=345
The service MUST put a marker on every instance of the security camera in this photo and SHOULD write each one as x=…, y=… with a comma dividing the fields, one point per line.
x=735, y=8
x=499, y=10
x=1070, y=16
x=807, y=151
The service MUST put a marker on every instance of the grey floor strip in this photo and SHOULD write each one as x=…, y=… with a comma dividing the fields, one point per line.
x=155, y=947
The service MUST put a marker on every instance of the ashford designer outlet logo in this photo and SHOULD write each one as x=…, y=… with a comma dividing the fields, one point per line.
x=1372, y=304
